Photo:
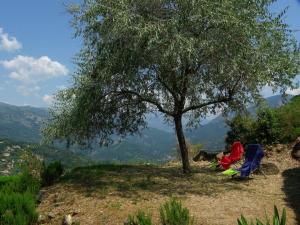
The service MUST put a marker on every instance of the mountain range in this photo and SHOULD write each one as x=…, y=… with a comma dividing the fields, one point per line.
x=155, y=144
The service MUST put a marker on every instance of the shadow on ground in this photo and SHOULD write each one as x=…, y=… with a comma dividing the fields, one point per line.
x=291, y=188
x=136, y=181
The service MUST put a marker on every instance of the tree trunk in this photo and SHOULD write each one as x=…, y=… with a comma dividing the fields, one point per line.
x=182, y=145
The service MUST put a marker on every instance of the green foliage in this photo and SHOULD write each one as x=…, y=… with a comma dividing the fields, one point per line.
x=267, y=128
x=30, y=162
x=289, y=115
x=173, y=213
x=52, y=173
x=139, y=219
x=241, y=128
x=17, y=198
x=270, y=126
x=19, y=183
x=17, y=208
x=277, y=219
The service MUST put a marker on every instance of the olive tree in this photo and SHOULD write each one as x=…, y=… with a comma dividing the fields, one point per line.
x=181, y=58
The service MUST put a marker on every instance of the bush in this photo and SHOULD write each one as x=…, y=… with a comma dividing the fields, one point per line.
x=17, y=198
x=19, y=183
x=277, y=220
x=270, y=126
x=17, y=208
x=241, y=128
x=140, y=219
x=172, y=213
x=52, y=173
x=267, y=127
x=31, y=163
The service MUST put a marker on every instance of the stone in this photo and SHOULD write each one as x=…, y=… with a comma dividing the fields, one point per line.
x=51, y=215
x=42, y=219
x=40, y=196
x=67, y=220
x=204, y=156
x=296, y=149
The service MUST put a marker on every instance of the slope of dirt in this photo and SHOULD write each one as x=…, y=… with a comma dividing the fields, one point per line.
x=106, y=194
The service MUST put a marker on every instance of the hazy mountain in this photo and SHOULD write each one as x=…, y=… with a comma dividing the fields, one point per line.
x=157, y=143
x=21, y=123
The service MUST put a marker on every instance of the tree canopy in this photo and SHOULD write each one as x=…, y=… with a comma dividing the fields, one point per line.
x=177, y=57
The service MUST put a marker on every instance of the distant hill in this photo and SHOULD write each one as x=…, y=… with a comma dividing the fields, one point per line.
x=156, y=144
x=21, y=123
x=10, y=152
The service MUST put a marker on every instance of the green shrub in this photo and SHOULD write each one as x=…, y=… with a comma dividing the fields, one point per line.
x=52, y=173
x=277, y=220
x=17, y=198
x=172, y=213
x=17, y=208
x=270, y=126
x=19, y=183
x=140, y=219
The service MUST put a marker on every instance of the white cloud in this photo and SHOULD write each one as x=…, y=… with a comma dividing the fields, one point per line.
x=8, y=43
x=29, y=70
x=28, y=90
x=293, y=91
x=48, y=99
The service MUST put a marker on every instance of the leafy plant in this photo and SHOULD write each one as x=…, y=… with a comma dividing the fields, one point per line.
x=17, y=208
x=52, y=173
x=17, y=199
x=173, y=213
x=277, y=219
x=140, y=219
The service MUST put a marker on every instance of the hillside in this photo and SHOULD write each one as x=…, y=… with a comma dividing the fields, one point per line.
x=11, y=151
x=22, y=123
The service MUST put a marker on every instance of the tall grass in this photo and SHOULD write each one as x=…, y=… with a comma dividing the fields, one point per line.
x=17, y=200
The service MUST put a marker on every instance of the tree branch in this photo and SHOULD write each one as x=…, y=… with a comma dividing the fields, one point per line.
x=148, y=100
x=220, y=100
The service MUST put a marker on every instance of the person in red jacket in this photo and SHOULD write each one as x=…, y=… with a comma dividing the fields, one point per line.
x=235, y=155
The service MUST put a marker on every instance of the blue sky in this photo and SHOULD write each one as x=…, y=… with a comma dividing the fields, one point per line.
x=37, y=48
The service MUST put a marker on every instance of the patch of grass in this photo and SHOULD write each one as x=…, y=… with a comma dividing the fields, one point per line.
x=17, y=198
x=115, y=205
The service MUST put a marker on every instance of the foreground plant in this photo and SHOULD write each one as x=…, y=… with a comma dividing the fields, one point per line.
x=140, y=219
x=171, y=213
x=277, y=219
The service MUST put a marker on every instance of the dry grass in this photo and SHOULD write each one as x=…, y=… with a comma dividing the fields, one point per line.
x=106, y=194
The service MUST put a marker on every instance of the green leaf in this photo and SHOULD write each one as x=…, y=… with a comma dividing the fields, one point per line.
x=283, y=217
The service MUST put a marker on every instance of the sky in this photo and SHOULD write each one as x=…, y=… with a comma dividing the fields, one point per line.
x=37, y=47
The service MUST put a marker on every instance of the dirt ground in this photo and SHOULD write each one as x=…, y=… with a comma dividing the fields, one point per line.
x=105, y=195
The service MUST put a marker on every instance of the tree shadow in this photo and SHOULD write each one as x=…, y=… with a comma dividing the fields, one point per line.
x=140, y=181
x=291, y=188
